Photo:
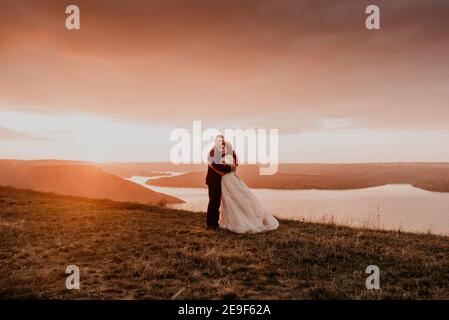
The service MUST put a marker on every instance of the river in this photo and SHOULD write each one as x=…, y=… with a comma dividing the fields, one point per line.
x=389, y=207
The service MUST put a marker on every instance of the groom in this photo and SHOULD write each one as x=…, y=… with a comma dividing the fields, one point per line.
x=216, y=169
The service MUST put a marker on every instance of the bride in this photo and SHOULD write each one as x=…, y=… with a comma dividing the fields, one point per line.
x=242, y=212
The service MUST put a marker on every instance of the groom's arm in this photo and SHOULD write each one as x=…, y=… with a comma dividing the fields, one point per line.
x=223, y=168
x=216, y=170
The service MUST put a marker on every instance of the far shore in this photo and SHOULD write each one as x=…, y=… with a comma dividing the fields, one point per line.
x=426, y=176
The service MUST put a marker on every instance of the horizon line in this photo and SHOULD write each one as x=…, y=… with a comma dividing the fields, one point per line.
x=199, y=164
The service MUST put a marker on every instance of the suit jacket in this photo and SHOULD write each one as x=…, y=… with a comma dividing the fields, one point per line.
x=212, y=177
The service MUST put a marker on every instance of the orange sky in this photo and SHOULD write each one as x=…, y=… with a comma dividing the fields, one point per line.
x=336, y=91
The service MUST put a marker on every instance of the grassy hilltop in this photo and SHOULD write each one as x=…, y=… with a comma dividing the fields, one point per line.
x=133, y=251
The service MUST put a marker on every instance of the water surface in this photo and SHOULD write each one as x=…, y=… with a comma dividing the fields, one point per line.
x=389, y=207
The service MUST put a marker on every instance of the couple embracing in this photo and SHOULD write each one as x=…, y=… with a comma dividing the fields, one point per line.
x=241, y=210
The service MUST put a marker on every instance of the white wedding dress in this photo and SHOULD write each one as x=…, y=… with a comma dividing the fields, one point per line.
x=242, y=212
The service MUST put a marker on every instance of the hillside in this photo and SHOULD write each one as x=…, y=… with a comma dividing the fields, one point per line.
x=78, y=179
x=427, y=176
x=277, y=181
x=134, y=251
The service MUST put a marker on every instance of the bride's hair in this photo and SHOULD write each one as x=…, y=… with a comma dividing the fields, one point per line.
x=228, y=147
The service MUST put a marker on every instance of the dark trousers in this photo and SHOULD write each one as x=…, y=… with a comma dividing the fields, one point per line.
x=213, y=209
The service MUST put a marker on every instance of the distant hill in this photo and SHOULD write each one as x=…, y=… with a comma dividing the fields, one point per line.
x=427, y=176
x=77, y=179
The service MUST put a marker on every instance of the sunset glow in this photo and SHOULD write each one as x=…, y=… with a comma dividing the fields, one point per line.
x=113, y=90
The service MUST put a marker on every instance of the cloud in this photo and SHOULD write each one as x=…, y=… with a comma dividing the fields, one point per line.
x=276, y=63
x=8, y=135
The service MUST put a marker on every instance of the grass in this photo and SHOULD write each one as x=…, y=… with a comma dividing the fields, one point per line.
x=133, y=251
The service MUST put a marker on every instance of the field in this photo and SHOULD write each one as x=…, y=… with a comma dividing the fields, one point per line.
x=135, y=251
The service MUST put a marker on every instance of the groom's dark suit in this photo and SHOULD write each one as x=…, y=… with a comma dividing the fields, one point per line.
x=213, y=181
